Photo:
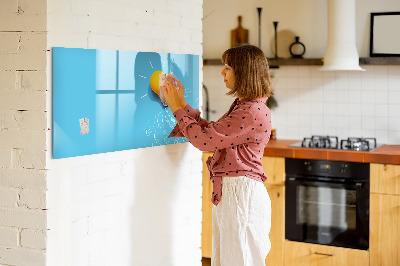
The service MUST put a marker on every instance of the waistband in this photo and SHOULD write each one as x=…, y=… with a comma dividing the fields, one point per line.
x=236, y=179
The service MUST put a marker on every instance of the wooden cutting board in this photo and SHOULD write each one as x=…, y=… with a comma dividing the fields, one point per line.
x=239, y=35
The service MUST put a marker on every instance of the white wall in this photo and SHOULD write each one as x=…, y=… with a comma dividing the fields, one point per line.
x=136, y=207
x=311, y=102
x=304, y=18
x=345, y=103
x=23, y=133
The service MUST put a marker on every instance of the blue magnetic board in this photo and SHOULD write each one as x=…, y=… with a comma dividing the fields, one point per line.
x=102, y=100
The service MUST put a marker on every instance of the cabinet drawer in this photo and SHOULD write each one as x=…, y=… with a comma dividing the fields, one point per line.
x=305, y=254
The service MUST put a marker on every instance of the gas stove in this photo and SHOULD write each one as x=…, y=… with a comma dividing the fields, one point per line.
x=332, y=142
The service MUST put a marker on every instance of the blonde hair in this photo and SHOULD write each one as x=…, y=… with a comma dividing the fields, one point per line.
x=250, y=66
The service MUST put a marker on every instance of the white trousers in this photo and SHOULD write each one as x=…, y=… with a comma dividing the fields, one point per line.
x=241, y=223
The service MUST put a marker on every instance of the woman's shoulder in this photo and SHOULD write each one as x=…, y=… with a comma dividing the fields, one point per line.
x=260, y=110
x=255, y=109
x=256, y=104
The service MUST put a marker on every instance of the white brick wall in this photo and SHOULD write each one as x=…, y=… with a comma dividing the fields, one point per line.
x=23, y=178
x=9, y=197
x=101, y=206
x=23, y=16
x=136, y=207
x=24, y=256
x=23, y=128
x=33, y=239
x=9, y=237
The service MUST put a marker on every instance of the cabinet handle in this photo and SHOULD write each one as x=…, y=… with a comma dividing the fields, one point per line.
x=325, y=254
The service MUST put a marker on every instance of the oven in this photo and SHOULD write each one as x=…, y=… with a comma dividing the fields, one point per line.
x=327, y=202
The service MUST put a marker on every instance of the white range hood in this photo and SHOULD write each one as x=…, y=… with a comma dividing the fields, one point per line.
x=341, y=51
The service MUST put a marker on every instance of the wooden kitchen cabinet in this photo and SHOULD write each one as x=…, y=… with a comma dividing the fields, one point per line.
x=206, y=225
x=274, y=168
x=277, y=233
x=385, y=178
x=384, y=237
x=305, y=254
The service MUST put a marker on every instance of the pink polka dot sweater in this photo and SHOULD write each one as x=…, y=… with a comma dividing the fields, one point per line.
x=238, y=139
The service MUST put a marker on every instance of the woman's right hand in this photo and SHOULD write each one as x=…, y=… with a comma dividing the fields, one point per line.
x=181, y=91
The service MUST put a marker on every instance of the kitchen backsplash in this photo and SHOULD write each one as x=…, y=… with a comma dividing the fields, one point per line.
x=314, y=102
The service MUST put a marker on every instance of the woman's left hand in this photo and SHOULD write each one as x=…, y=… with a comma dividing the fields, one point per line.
x=171, y=96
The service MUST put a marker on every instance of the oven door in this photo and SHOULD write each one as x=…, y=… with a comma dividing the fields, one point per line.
x=327, y=213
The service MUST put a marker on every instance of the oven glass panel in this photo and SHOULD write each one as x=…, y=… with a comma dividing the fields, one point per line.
x=326, y=207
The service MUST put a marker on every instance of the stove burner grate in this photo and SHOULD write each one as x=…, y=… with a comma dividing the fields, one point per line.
x=358, y=144
x=327, y=142
x=332, y=142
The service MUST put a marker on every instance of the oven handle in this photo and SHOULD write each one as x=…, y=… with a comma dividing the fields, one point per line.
x=357, y=185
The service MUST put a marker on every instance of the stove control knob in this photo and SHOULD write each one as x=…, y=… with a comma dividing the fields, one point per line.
x=308, y=166
x=343, y=168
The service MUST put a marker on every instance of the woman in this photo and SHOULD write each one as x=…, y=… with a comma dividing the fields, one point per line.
x=242, y=208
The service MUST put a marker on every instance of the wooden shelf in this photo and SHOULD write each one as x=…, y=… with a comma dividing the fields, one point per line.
x=274, y=63
x=380, y=61
x=212, y=62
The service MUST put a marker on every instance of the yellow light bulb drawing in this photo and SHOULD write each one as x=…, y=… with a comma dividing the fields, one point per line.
x=155, y=81
x=158, y=79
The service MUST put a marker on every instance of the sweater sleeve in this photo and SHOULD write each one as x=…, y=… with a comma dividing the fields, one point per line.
x=231, y=130
x=193, y=113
